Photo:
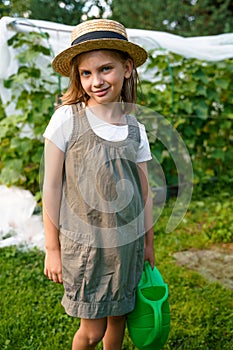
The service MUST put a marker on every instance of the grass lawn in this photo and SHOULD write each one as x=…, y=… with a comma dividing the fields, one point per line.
x=201, y=311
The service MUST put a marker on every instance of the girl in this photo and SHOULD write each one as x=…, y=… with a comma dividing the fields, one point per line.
x=97, y=207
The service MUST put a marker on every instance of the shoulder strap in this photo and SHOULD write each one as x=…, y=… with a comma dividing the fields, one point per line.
x=78, y=111
x=134, y=131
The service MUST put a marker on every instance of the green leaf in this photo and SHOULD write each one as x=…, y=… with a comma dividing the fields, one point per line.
x=8, y=83
x=187, y=106
x=23, y=146
x=11, y=172
x=218, y=153
x=222, y=83
x=202, y=110
x=201, y=90
x=200, y=75
x=212, y=94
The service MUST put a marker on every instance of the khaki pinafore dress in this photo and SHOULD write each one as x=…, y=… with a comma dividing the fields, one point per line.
x=101, y=222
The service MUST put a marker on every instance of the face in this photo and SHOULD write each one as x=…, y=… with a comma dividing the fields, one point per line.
x=102, y=74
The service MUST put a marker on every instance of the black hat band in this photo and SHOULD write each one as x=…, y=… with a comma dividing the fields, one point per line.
x=102, y=34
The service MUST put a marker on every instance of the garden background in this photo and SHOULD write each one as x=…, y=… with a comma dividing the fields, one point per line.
x=195, y=97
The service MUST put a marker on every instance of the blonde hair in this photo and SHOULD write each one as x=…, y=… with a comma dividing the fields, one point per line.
x=75, y=92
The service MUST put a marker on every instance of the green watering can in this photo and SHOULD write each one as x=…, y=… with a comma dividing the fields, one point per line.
x=149, y=323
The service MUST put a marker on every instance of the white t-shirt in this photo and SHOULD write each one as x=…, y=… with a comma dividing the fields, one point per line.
x=60, y=128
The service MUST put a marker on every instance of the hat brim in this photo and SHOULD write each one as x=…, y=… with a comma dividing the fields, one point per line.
x=61, y=63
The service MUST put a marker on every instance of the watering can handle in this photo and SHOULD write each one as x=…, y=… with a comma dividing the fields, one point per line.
x=151, y=273
x=158, y=321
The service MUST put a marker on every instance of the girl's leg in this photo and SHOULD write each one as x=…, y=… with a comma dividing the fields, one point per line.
x=89, y=334
x=114, y=334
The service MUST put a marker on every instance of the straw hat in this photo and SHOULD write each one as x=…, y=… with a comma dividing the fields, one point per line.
x=95, y=35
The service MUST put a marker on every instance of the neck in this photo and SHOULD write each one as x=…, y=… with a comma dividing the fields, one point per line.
x=110, y=113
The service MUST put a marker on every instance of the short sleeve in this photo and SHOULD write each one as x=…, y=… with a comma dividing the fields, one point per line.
x=60, y=127
x=144, y=153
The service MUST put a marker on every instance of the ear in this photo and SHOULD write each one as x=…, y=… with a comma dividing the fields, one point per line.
x=128, y=68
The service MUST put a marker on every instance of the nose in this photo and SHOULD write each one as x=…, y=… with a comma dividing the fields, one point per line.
x=97, y=80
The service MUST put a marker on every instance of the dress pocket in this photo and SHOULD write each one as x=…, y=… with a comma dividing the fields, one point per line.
x=74, y=259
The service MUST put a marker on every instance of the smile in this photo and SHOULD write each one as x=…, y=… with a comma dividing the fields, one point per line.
x=101, y=92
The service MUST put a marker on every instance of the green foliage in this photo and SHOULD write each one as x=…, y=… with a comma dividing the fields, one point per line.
x=187, y=18
x=2, y=111
x=36, y=320
x=65, y=12
x=182, y=17
x=33, y=97
x=218, y=221
x=196, y=98
x=13, y=7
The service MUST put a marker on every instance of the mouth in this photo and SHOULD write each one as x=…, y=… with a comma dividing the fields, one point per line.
x=101, y=92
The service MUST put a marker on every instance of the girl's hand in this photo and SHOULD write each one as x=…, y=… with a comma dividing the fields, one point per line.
x=149, y=255
x=53, y=265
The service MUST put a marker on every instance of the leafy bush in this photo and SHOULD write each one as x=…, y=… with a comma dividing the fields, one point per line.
x=196, y=97
x=193, y=95
x=2, y=111
x=33, y=97
x=218, y=225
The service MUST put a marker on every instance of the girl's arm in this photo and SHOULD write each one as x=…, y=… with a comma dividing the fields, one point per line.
x=52, y=189
x=148, y=216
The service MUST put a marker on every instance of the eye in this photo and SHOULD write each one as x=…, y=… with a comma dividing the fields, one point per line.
x=106, y=69
x=85, y=73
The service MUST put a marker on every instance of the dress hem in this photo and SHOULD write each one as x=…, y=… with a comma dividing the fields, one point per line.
x=98, y=309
